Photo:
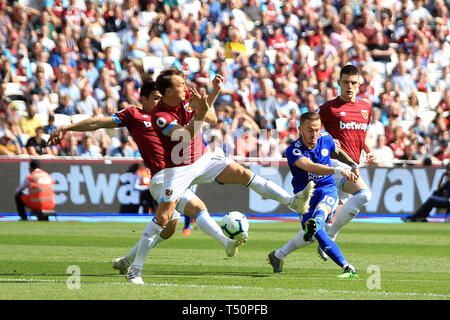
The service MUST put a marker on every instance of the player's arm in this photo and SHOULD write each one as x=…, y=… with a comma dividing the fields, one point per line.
x=368, y=148
x=342, y=156
x=90, y=124
x=186, y=133
x=320, y=169
x=211, y=117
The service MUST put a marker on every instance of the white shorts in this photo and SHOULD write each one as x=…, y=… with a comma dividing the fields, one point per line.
x=171, y=183
x=343, y=196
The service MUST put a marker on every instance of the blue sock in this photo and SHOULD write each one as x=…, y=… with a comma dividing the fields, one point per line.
x=187, y=222
x=330, y=248
x=319, y=215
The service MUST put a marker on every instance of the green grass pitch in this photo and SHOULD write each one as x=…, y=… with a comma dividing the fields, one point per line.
x=413, y=261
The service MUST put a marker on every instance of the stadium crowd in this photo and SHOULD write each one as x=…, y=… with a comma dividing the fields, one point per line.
x=66, y=60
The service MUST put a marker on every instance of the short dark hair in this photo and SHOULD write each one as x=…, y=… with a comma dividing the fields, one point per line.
x=350, y=70
x=164, y=79
x=34, y=164
x=147, y=88
x=310, y=115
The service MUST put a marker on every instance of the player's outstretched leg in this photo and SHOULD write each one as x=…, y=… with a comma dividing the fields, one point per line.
x=300, y=201
x=276, y=257
x=232, y=246
x=122, y=264
x=349, y=272
x=276, y=263
x=335, y=253
x=349, y=210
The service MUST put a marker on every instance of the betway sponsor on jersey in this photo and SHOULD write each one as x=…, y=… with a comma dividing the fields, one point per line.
x=353, y=125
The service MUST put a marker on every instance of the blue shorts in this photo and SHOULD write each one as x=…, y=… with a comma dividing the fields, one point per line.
x=326, y=195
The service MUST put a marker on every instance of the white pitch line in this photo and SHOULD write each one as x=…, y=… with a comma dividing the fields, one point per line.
x=199, y=286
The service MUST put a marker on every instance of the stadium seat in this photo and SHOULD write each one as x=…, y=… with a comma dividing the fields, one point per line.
x=62, y=119
x=250, y=45
x=110, y=39
x=79, y=117
x=152, y=62
x=54, y=99
x=24, y=137
x=168, y=61
x=45, y=137
x=19, y=106
x=43, y=118
x=272, y=53
x=13, y=89
x=211, y=53
x=434, y=98
x=193, y=63
x=422, y=98
x=292, y=44
x=406, y=124
x=428, y=116
x=281, y=124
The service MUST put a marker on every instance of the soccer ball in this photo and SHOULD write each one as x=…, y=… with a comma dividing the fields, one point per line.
x=234, y=224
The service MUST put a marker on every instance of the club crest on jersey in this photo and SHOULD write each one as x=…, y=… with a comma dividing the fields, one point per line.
x=161, y=122
x=324, y=152
x=169, y=192
x=188, y=107
x=296, y=152
x=365, y=114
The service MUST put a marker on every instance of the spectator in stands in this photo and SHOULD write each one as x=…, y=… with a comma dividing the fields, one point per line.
x=383, y=152
x=181, y=44
x=439, y=199
x=87, y=104
x=443, y=152
x=37, y=146
x=104, y=89
x=402, y=81
x=156, y=45
x=88, y=148
x=114, y=22
x=50, y=125
x=69, y=86
x=267, y=107
x=29, y=123
x=398, y=145
x=123, y=150
x=110, y=63
x=70, y=146
x=65, y=105
x=441, y=53
x=10, y=145
x=41, y=195
x=235, y=45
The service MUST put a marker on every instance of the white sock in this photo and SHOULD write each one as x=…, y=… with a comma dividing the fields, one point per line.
x=295, y=243
x=147, y=242
x=269, y=190
x=348, y=211
x=130, y=256
x=209, y=226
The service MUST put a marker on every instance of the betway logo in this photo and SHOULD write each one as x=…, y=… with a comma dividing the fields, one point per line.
x=353, y=125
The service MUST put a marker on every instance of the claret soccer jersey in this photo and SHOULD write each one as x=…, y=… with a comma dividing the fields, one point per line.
x=347, y=122
x=139, y=124
x=177, y=153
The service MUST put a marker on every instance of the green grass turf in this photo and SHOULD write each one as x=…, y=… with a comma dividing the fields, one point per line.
x=413, y=260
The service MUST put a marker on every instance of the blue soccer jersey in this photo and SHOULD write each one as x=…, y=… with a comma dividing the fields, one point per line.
x=320, y=154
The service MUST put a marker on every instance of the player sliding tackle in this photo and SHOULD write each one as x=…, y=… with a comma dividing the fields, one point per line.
x=177, y=119
x=309, y=160
x=138, y=123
